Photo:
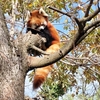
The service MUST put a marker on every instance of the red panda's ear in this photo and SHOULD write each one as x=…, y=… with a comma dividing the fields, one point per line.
x=28, y=14
x=41, y=11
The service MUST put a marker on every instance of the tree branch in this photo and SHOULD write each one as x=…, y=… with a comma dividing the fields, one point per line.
x=90, y=16
x=52, y=58
x=98, y=4
x=87, y=33
x=26, y=41
x=69, y=15
x=88, y=8
x=29, y=40
x=93, y=24
x=39, y=50
x=82, y=32
x=80, y=25
x=3, y=28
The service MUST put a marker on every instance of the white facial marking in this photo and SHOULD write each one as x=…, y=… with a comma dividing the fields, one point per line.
x=45, y=23
x=41, y=27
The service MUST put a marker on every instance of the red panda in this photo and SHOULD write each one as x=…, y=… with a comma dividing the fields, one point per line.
x=38, y=20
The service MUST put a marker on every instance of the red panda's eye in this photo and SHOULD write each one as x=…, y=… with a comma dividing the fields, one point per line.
x=30, y=13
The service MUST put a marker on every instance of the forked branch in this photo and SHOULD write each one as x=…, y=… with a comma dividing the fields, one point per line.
x=88, y=8
x=83, y=30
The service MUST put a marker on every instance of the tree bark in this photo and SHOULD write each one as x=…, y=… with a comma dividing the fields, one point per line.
x=12, y=75
x=14, y=61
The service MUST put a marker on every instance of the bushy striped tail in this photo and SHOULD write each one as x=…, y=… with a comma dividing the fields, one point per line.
x=40, y=76
x=42, y=73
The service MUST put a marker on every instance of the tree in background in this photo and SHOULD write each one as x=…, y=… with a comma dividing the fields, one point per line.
x=76, y=70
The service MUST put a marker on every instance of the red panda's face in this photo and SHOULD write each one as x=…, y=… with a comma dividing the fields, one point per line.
x=37, y=20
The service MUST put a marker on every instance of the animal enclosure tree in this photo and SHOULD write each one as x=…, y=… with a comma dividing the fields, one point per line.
x=15, y=61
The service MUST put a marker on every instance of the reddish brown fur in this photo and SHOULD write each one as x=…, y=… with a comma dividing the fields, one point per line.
x=41, y=73
x=36, y=18
x=38, y=80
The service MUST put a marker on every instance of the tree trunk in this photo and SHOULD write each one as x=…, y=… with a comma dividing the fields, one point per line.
x=12, y=75
x=11, y=83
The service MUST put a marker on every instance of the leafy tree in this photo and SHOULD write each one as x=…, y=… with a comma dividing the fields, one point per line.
x=80, y=19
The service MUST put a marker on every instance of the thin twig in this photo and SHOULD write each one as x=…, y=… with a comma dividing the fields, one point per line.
x=67, y=14
x=60, y=11
x=90, y=16
x=83, y=58
x=39, y=50
x=98, y=4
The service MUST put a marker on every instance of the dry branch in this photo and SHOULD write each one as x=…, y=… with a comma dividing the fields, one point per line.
x=29, y=40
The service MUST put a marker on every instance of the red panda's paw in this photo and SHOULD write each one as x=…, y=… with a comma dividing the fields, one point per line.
x=38, y=80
